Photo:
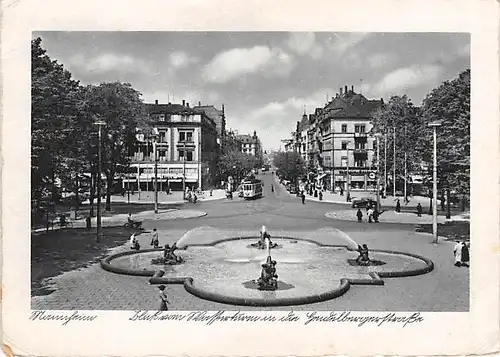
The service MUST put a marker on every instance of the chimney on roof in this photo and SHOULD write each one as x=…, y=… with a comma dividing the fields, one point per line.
x=156, y=101
x=340, y=91
x=345, y=88
x=187, y=105
x=199, y=103
x=183, y=102
x=352, y=89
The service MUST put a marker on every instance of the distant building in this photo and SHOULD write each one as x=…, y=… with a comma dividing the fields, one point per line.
x=250, y=144
x=218, y=117
x=186, y=142
x=336, y=137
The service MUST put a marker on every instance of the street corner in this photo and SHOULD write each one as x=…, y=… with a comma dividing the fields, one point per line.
x=385, y=217
x=180, y=214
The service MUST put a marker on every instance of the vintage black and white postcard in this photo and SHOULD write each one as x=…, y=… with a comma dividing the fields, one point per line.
x=263, y=179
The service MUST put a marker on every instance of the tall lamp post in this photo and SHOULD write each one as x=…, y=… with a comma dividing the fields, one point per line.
x=378, y=171
x=434, y=125
x=348, y=197
x=184, y=170
x=155, y=138
x=385, y=164
x=99, y=182
x=394, y=165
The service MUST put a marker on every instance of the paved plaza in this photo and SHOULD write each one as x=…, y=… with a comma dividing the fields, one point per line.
x=446, y=288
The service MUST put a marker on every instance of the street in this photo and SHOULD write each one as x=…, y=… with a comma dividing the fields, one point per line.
x=93, y=288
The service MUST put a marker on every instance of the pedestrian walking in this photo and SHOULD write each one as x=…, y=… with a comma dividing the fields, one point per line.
x=341, y=191
x=303, y=197
x=163, y=298
x=419, y=209
x=375, y=215
x=443, y=201
x=398, y=206
x=154, y=239
x=457, y=251
x=465, y=255
x=359, y=214
x=320, y=195
x=370, y=215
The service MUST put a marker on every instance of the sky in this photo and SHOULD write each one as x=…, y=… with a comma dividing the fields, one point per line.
x=265, y=79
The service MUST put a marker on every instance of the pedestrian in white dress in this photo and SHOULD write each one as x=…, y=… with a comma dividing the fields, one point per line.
x=457, y=251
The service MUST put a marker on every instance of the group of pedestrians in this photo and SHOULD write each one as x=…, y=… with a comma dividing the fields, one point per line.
x=371, y=213
x=461, y=253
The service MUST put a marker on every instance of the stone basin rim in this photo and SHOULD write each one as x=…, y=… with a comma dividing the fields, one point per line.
x=106, y=262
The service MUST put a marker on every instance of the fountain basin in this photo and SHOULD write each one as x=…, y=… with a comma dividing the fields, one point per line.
x=312, y=272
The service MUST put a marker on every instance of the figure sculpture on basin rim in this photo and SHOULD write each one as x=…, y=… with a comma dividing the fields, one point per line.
x=363, y=258
x=268, y=278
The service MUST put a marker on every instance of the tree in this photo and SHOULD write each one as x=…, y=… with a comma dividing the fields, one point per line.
x=289, y=165
x=400, y=114
x=236, y=164
x=54, y=113
x=122, y=110
x=450, y=105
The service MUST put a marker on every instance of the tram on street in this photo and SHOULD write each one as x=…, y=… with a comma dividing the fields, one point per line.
x=252, y=188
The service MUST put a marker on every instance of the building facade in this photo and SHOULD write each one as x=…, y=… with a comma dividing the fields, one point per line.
x=338, y=145
x=186, y=149
x=218, y=116
x=250, y=144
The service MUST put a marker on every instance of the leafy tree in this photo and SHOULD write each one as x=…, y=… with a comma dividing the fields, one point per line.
x=122, y=110
x=289, y=165
x=236, y=164
x=400, y=114
x=54, y=103
x=449, y=104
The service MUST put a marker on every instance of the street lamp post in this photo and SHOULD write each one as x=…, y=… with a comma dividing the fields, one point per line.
x=99, y=182
x=155, y=173
x=394, y=165
x=184, y=171
x=378, y=172
x=348, y=197
x=385, y=164
x=434, y=125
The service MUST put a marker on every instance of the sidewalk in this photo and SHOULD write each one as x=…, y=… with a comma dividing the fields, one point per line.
x=394, y=217
x=329, y=197
x=175, y=197
x=122, y=218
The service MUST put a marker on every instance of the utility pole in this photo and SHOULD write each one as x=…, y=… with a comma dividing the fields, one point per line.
x=385, y=163
x=434, y=183
x=99, y=182
x=348, y=197
x=184, y=171
x=156, y=175
x=394, y=165
x=378, y=173
x=406, y=169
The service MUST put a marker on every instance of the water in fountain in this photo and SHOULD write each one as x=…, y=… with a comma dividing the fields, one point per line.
x=332, y=236
x=198, y=235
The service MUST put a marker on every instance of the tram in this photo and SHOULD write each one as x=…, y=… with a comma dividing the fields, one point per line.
x=252, y=188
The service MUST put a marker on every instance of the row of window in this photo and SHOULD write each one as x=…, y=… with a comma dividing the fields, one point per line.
x=358, y=128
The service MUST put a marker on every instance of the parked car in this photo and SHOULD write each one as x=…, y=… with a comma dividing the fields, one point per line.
x=363, y=203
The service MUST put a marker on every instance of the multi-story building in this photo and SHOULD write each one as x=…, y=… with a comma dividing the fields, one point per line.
x=337, y=140
x=250, y=144
x=218, y=117
x=186, y=146
x=347, y=145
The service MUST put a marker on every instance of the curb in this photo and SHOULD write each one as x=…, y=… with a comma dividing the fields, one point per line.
x=156, y=277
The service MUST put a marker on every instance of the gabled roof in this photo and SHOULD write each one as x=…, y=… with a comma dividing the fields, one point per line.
x=351, y=105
